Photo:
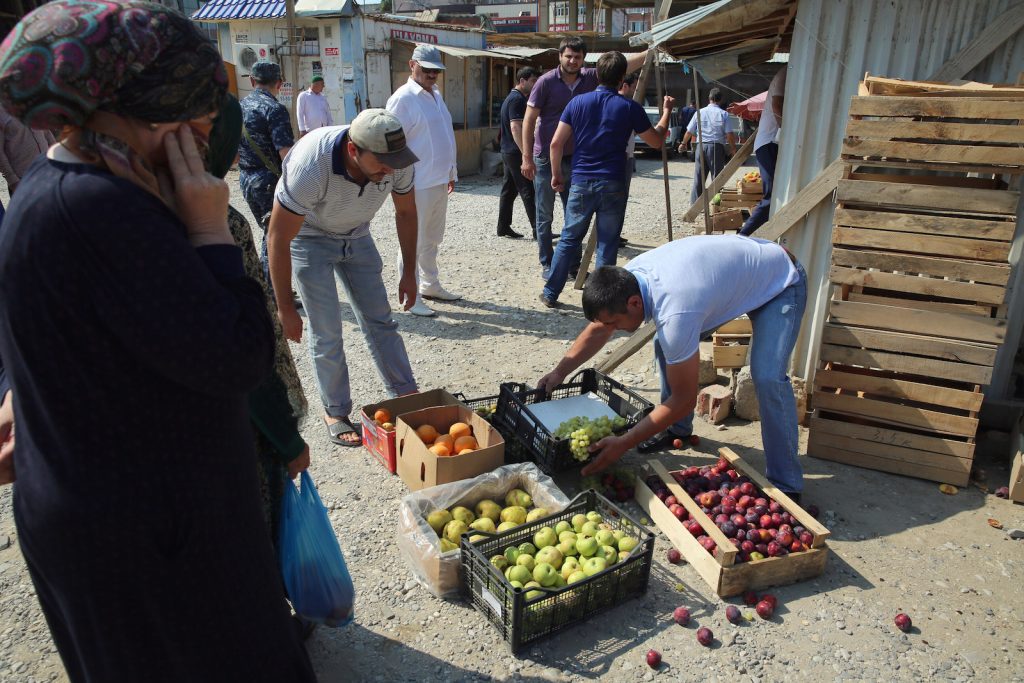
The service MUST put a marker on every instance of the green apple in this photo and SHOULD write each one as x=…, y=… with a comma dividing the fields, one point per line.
x=566, y=536
x=447, y=546
x=578, y=521
x=506, y=526
x=594, y=565
x=463, y=514
x=519, y=573
x=627, y=543
x=559, y=582
x=438, y=519
x=570, y=565
x=531, y=594
x=609, y=554
x=516, y=584
x=623, y=555
x=544, y=573
x=576, y=576
x=514, y=514
x=544, y=537
x=550, y=555
x=535, y=514
x=527, y=548
x=562, y=526
x=604, y=537
x=500, y=562
x=511, y=553
x=586, y=546
x=567, y=548
x=454, y=529
x=594, y=517
x=590, y=529
x=527, y=561
x=619, y=534
x=483, y=524
x=488, y=508
x=518, y=497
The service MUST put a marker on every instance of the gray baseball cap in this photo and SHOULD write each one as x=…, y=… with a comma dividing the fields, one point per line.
x=428, y=57
x=379, y=131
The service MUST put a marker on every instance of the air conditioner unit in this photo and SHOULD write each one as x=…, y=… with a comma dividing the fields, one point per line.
x=247, y=54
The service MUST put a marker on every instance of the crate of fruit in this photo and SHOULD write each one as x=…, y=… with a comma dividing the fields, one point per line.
x=704, y=511
x=565, y=446
x=543, y=576
x=750, y=183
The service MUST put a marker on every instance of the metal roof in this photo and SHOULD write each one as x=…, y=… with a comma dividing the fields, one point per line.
x=463, y=52
x=227, y=10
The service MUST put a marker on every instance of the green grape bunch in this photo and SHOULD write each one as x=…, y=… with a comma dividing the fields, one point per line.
x=584, y=431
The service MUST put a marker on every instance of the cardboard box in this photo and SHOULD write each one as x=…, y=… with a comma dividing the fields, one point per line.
x=381, y=442
x=420, y=468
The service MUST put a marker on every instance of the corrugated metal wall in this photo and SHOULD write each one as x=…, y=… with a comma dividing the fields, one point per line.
x=834, y=43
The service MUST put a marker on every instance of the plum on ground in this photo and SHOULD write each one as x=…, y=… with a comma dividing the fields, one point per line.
x=681, y=615
x=704, y=636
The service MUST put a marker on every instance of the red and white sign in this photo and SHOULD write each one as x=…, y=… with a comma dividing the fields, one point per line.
x=413, y=36
x=331, y=51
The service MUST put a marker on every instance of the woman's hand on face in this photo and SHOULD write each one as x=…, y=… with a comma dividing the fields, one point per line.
x=200, y=198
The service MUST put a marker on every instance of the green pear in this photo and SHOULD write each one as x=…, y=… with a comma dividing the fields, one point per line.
x=500, y=562
x=518, y=497
x=535, y=514
x=477, y=537
x=437, y=520
x=447, y=546
x=489, y=509
x=454, y=529
x=463, y=514
x=514, y=513
x=483, y=524
x=506, y=526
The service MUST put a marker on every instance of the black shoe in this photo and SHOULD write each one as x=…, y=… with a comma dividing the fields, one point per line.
x=573, y=273
x=623, y=242
x=510, y=233
x=550, y=303
x=661, y=442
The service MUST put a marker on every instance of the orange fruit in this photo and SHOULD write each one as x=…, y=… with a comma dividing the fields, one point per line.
x=460, y=429
x=440, y=449
x=382, y=416
x=465, y=442
x=447, y=440
x=466, y=450
x=427, y=433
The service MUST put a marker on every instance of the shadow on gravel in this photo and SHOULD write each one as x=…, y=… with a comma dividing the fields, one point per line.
x=469, y=319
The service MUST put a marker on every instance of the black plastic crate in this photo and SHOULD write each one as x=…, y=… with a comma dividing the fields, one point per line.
x=521, y=621
x=514, y=449
x=550, y=453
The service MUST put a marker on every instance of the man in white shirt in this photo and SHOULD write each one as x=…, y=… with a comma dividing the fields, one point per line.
x=313, y=109
x=428, y=127
x=766, y=149
x=714, y=135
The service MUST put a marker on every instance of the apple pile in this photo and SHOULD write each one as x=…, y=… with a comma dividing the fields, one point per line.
x=487, y=515
x=560, y=556
x=758, y=526
x=614, y=484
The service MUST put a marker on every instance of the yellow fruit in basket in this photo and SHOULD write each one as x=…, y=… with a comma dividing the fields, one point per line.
x=463, y=443
x=463, y=514
x=518, y=497
x=535, y=514
x=460, y=429
x=440, y=450
x=578, y=575
x=526, y=561
x=466, y=450
x=483, y=524
x=569, y=565
x=562, y=526
x=567, y=547
x=387, y=426
x=514, y=514
x=454, y=529
x=627, y=543
x=438, y=519
x=578, y=521
x=381, y=416
x=488, y=508
x=447, y=546
x=506, y=526
x=550, y=555
x=427, y=433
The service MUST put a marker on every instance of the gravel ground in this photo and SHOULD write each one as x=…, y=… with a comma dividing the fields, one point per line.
x=897, y=543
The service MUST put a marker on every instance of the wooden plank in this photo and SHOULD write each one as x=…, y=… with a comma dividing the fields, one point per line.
x=925, y=179
x=634, y=343
x=893, y=437
x=947, y=289
x=897, y=415
x=741, y=155
x=899, y=389
x=859, y=337
x=812, y=194
x=894, y=466
x=821, y=440
x=805, y=518
x=954, y=247
x=897, y=319
x=913, y=365
x=928, y=166
x=588, y=254
x=907, y=302
x=734, y=356
x=952, y=226
x=772, y=571
x=924, y=130
x=990, y=273
x=928, y=197
x=726, y=555
x=932, y=152
x=997, y=32
x=956, y=107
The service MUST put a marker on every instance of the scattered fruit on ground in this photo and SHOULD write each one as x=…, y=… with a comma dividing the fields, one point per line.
x=677, y=443
x=681, y=616
x=765, y=609
x=653, y=659
x=704, y=636
x=732, y=614
x=674, y=556
x=903, y=622
x=1003, y=492
x=750, y=598
x=771, y=599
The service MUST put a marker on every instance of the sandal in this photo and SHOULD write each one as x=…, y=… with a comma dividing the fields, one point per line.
x=343, y=426
x=661, y=442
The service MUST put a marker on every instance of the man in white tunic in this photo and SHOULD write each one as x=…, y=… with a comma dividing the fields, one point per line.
x=314, y=111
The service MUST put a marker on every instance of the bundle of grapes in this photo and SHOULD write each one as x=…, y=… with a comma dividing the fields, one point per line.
x=584, y=431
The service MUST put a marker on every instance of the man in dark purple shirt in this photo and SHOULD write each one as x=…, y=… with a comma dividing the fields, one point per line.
x=548, y=100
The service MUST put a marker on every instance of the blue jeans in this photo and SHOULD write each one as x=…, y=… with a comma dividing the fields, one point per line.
x=767, y=157
x=544, y=195
x=683, y=427
x=357, y=264
x=607, y=199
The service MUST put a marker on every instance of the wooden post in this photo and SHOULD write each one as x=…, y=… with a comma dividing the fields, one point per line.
x=490, y=92
x=290, y=9
x=465, y=93
x=664, y=152
x=703, y=158
x=543, y=16
x=995, y=34
x=574, y=15
x=741, y=155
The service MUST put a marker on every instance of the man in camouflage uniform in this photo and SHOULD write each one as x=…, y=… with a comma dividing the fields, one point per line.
x=267, y=139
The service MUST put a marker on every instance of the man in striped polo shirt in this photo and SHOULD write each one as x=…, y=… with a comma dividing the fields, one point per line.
x=332, y=184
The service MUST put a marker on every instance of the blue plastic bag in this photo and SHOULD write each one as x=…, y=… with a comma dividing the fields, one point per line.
x=313, y=567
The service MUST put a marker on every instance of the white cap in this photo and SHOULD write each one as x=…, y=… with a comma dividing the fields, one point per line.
x=428, y=57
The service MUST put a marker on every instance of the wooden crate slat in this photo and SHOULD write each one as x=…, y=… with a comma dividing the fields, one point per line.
x=893, y=437
x=918, y=345
x=947, y=289
x=955, y=247
x=952, y=226
x=914, y=321
x=899, y=389
x=908, y=302
x=912, y=365
x=938, y=107
x=736, y=326
x=989, y=273
x=934, y=152
x=823, y=440
x=894, y=466
x=874, y=193
x=928, y=166
x=896, y=415
x=772, y=571
x=934, y=130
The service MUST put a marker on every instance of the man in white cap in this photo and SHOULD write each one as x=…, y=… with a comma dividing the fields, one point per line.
x=332, y=184
x=428, y=125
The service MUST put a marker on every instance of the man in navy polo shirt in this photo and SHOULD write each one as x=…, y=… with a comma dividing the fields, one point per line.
x=599, y=125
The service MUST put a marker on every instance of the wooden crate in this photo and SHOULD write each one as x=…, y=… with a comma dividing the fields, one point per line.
x=720, y=571
x=731, y=342
x=731, y=199
x=1017, y=468
x=745, y=187
x=920, y=265
x=728, y=219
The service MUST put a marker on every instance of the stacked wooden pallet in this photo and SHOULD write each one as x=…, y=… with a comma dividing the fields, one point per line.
x=920, y=261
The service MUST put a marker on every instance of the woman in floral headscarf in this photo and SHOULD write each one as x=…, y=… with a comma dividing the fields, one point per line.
x=131, y=336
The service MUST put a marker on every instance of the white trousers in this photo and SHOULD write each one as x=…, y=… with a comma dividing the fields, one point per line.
x=431, y=213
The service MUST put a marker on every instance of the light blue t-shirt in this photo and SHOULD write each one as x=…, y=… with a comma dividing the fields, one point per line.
x=693, y=285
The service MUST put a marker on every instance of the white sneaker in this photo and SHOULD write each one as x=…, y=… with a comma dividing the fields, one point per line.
x=420, y=308
x=441, y=294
